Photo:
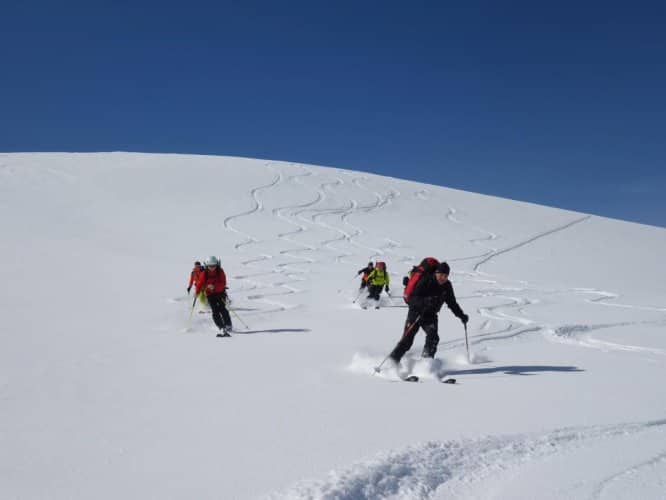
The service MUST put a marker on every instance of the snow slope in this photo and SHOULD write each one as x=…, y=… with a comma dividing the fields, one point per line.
x=106, y=393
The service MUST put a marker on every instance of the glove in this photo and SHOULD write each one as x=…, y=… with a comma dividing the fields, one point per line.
x=387, y=290
x=188, y=290
x=464, y=318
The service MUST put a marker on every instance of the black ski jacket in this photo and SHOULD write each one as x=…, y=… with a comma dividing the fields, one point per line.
x=428, y=297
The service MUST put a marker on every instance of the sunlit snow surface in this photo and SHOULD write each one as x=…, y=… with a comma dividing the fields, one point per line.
x=109, y=388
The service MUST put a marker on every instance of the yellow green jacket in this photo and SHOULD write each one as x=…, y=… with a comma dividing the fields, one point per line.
x=378, y=277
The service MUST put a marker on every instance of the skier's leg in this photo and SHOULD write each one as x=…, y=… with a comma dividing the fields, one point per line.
x=429, y=325
x=216, y=306
x=408, y=335
x=225, y=314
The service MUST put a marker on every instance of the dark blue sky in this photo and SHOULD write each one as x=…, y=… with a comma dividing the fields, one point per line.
x=559, y=103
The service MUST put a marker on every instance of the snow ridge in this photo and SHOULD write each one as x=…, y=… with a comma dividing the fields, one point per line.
x=446, y=468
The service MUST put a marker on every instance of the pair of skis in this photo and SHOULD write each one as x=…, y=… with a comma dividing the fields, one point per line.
x=415, y=378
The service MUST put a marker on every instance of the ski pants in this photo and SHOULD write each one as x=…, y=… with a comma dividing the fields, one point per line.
x=415, y=320
x=219, y=309
x=374, y=291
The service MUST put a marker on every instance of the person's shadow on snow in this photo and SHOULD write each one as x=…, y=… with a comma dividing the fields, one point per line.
x=517, y=370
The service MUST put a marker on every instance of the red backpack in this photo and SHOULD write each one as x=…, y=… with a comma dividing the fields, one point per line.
x=427, y=266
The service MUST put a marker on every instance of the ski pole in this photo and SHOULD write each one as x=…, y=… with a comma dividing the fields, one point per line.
x=357, y=296
x=238, y=317
x=194, y=303
x=378, y=368
x=467, y=343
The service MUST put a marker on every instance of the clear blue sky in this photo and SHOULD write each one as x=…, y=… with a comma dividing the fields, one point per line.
x=559, y=103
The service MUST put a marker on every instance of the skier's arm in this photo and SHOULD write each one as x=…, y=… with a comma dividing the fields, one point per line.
x=200, y=282
x=450, y=299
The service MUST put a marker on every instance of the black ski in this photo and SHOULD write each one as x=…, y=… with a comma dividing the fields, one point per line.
x=410, y=378
x=447, y=380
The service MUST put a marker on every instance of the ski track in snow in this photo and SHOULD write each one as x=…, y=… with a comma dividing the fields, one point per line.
x=506, y=320
x=307, y=217
x=530, y=240
x=503, y=321
x=604, y=297
x=422, y=194
x=258, y=206
x=598, y=493
x=579, y=335
x=447, y=469
x=519, y=325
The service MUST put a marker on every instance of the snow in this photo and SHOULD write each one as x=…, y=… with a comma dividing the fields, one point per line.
x=108, y=390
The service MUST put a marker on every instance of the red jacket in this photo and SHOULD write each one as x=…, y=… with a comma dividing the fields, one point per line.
x=194, y=276
x=214, y=281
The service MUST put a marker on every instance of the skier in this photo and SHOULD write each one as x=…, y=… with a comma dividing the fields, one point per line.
x=213, y=282
x=377, y=279
x=425, y=294
x=195, y=275
x=365, y=271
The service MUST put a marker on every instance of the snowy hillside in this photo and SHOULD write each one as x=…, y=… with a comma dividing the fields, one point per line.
x=105, y=392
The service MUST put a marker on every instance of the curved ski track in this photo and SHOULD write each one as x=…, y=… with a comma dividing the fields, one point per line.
x=502, y=321
x=437, y=468
x=304, y=217
x=513, y=325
